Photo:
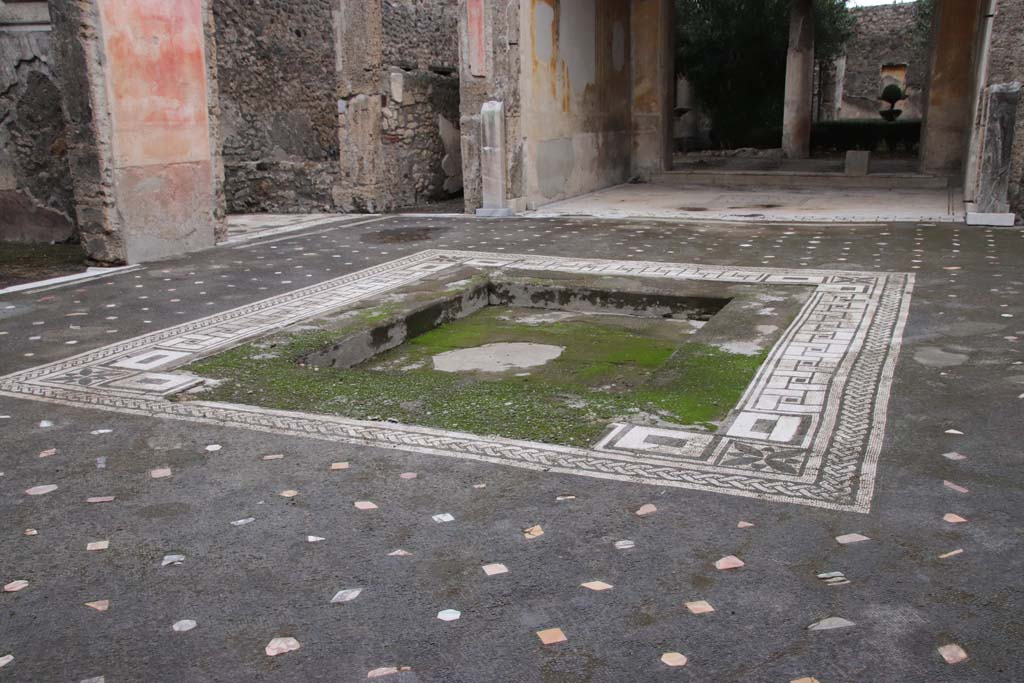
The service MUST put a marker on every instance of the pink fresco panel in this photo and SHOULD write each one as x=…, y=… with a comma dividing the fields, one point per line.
x=156, y=80
x=477, y=38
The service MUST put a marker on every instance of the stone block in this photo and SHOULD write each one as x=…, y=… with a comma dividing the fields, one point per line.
x=1001, y=220
x=858, y=162
x=397, y=80
x=19, y=13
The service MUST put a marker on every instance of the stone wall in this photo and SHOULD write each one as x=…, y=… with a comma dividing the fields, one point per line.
x=309, y=115
x=420, y=34
x=884, y=34
x=420, y=141
x=398, y=104
x=276, y=74
x=36, y=192
x=419, y=124
x=1006, y=64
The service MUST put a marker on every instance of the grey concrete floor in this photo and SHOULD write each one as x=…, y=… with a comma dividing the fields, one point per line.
x=958, y=388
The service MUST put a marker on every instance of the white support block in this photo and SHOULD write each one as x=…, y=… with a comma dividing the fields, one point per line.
x=1000, y=220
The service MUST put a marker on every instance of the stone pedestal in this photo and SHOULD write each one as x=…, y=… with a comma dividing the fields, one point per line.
x=796, y=117
x=136, y=98
x=492, y=161
x=991, y=205
x=997, y=153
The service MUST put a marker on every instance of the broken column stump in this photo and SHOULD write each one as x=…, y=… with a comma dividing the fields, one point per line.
x=492, y=161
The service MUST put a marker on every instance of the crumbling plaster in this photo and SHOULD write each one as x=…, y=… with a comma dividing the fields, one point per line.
x=36, y=192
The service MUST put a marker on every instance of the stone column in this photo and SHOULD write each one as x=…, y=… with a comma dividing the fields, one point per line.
x=948, y=104
x=652, y=25
x=493, y=172
x=134, y=85
x=358, y=47
x=796, y=117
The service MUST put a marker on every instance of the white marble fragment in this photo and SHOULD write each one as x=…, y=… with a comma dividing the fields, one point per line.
x=829, y=623
x=279, y=646
x=347, y=595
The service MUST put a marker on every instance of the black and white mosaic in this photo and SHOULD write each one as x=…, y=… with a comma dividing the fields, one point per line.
x=808, y=430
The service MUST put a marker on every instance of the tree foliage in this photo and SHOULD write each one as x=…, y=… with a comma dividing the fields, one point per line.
x=924, y=13
x=733, y=52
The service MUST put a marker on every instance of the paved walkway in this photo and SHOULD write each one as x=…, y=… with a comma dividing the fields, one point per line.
x=141, y=548
x=764, y=204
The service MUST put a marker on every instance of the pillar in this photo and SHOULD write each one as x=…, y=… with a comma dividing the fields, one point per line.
x=652, y=25
x=948, y=103
x=796, y=117
x=493, y=160
x=137, y=102
x=359, y=55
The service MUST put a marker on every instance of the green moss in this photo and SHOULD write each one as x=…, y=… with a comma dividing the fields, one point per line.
x=36, y=261
x=606, y=372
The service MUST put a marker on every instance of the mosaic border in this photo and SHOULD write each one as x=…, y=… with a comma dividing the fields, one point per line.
x=808, y=430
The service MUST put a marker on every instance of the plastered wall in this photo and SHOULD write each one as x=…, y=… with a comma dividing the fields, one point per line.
x=576, y=96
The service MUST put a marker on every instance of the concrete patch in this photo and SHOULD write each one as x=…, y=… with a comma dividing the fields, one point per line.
x=747, y=348
x=497, y=357
x=543, y=318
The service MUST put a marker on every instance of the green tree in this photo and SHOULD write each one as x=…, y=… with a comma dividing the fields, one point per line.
x=733, y=52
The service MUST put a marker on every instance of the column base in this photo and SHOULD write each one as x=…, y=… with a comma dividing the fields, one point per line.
x=1001, y=220
x=495, y=213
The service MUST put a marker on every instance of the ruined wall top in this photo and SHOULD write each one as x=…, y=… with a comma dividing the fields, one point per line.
x=421, y=34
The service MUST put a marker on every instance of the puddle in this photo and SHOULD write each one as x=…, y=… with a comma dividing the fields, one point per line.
x=497, y=357
x=401, y=235
x=934, y=357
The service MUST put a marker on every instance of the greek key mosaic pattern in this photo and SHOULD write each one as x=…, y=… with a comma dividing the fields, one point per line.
x=807, y=430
